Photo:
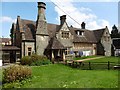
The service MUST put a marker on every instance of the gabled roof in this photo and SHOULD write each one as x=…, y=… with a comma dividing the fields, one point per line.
x=88, y=36
x=52, y=29
x=29, y=28
x=5, y=39
x=55, y=44
x=9, y=48
x=98, y=33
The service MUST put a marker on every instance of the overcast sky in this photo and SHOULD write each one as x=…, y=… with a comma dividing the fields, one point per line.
x=95, y=14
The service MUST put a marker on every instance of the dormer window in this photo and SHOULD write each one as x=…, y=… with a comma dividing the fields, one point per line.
x=65, y=34
x=80, y=33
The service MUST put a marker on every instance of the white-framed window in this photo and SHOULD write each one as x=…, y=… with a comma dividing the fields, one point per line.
x=80, y=33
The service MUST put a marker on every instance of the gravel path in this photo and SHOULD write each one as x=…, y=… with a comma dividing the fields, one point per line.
x=89, y=59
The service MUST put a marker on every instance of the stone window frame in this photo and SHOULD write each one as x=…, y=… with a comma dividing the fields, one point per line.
x=29, y=51
x=65, y=34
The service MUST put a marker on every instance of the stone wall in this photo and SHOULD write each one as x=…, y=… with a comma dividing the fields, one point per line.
x=25, y=46
x=41, y=44
x=106, y=43
x=67, y=42
x=85, y=47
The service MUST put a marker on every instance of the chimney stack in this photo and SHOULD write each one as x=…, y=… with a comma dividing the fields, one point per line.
x=41, y=5
x=41, y=9
x=83, y=25
x=62, y=19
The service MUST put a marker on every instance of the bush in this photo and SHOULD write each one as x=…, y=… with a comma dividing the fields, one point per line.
x=41, y=62
x=34, y=57
x=35, y=60
x=16, y=72
x=26, y=60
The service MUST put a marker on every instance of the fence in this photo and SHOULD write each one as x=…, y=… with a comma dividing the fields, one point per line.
x=92, y=65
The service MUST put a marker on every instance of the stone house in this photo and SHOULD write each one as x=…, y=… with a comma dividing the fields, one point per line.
x=5, y=41
x=55, y=40
x=9, y=53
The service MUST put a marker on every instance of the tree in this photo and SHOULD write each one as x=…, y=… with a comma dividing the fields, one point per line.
x=114, y=32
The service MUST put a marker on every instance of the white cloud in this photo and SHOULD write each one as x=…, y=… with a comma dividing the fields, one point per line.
x=82, y=9
x=7, y=19
x=80, y=14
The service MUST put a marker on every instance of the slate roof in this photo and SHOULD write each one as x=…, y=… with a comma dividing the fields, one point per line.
x=98, y=34
x=52, y=29
x=89, y=36
x=9, y=48
x=5, y=39
x=29, y=27
x=54, y=44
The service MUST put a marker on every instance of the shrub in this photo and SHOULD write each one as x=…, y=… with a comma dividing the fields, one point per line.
x=41, y=62
x=16, y=72
x=35, y=60
x=34, y=57
x=26, y=60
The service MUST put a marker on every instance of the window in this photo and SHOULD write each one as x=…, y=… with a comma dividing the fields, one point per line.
x=106, y=33
x=65, y=34
x=29, y=51
x=80, y=32
x=105, y=38
x=67, y=51
x=108, y=38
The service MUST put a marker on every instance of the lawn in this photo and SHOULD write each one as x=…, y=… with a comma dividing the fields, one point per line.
x=0, y=77
x=106, y=59
x=0, y=73
x=61, y=76
x=84, y=57
x=101, y=63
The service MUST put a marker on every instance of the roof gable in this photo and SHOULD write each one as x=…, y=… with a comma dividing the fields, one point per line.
x=89, y=36
x=55, y=44
x=98, y=34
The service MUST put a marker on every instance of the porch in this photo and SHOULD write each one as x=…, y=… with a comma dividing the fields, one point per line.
x=10, y=54
x=55, y=51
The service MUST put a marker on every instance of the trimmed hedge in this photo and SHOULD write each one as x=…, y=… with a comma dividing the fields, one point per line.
x=16, y=72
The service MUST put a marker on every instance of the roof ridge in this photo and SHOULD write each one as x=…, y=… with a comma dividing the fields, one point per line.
x=28, y=20
x=99, y=29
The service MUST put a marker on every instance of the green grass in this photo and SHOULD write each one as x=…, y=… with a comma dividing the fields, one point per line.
x=101, y=63
x=0, y=77
x=84, y=57
x=61, y=76
x=0, y=74
x=106, y=59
